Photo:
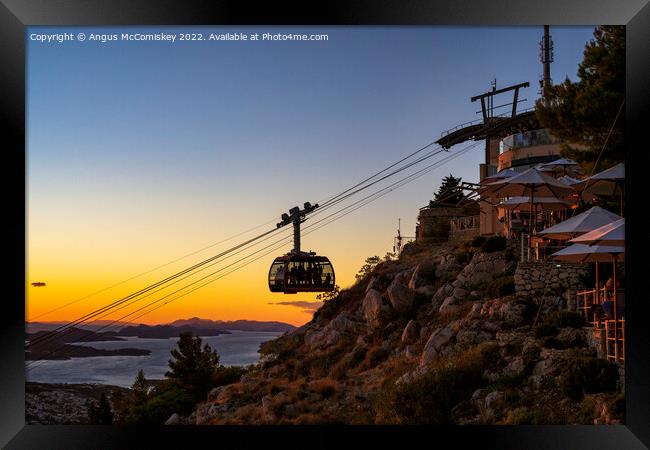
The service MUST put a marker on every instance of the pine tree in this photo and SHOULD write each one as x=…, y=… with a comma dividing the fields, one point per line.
x=581, y=114
x=100, y=413
x=140, y=388
x=449, y=193
x=193, y=368
x=370, y=263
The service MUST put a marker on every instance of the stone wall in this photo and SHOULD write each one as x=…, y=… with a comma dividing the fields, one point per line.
x=548, y=279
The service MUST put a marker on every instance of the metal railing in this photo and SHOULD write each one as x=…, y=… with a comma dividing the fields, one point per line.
x=611, y=333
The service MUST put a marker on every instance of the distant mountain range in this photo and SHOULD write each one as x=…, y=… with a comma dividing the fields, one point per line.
x=202, y=327
x=35, y=327
x=167, y=331
x=62, y=344
x=235, y=325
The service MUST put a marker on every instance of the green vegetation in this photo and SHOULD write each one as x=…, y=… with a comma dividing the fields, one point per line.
x=100, y=413
x=194, y=370
x=462, y=257
x=331, y=295
x=544, y=330
x=525, y=416
x=563, y=319
x=369, y=265
x=284, y=346
x=588, y=375
x=500, y=287
x=429, y=398
x=494, y=244
x=449, y=193
x=582, y=113
x=478, y=241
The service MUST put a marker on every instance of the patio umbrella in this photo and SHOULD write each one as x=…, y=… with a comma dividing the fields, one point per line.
x=505, y=173
x=582, y=253
x=559, y=165
x=566, y=179
x=541, y=168
x=523, y=204
x=531, y=183
x=611, y=234
x=607, y=183
x=580, y=224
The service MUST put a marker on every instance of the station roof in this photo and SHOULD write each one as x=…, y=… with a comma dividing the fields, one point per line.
x=496, y=127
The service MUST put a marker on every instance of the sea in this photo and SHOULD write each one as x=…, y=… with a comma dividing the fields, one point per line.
x=240, y=348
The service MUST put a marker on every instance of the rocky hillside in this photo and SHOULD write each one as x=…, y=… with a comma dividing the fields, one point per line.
x=438, y=336
x=62, y=404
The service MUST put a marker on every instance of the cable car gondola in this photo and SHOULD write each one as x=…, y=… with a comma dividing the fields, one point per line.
x=299, y=271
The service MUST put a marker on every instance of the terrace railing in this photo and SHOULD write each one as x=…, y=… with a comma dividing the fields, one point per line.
x=610, y=333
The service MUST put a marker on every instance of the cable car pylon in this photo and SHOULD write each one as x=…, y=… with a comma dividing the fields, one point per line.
x=299, y=271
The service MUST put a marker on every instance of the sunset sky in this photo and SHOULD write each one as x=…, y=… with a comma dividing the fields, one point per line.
x=141, y=152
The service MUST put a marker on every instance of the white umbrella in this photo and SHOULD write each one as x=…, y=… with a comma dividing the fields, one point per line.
x=580, y=224
x=566, y=179
x=505, y=173
x=531, y=183
x=582, y=253
x=611, y=234
x=523, y=204
x=541, y=168
x=561, y=163
x=607, y=183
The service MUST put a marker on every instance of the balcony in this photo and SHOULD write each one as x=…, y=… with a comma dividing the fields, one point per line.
x=523, y=150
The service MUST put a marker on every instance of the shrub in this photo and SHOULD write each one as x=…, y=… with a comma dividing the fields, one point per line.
x=430, y=397
x=324, y=387
x=357, y=355
x=493, y=244
x=588, y=375
x=340, y=369
x=525, y=416
x=228, y=374
x=543, y=330
x=376, y=355
x=552, y=342
x=563, y=319
x=462, y=257
x=321, y=364
x=500, y=287
x=617, y=407
x=284, y=346
x=478, y=241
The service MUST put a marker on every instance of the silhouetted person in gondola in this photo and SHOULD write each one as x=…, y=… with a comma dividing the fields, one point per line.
x=328, y=279
x=319, y=275
x=301, y=274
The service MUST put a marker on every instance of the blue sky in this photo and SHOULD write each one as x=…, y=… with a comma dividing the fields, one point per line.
x=177, y=145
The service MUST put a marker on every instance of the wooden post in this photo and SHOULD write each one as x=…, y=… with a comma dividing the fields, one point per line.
x=615, y=283
x=597, y=285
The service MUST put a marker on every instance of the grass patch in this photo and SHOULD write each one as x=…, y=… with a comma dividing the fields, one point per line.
x=500, y=287
x=588, y=375
x=494, y=244
x=478, y=241
x=563, y=319
x=430, y=397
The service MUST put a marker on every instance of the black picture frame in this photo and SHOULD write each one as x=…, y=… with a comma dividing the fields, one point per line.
x=15, y=15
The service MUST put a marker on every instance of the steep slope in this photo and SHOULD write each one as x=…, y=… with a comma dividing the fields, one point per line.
x=437, y=336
